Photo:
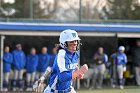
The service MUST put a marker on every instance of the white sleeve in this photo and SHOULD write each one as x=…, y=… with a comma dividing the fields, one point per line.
x=125, y=58
x=61, y=60
x=106, y=58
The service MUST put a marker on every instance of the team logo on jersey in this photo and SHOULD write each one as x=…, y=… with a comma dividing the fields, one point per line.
x=74, y=34
x=73, y=66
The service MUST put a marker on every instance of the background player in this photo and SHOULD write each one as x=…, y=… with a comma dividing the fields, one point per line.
x=52, y=56
x=120, y=60
x=136, y=58
x=49, y=67
x=19, y=60
x=65, y=64
x=31, y=65
x=100, y=59
x=43, y=62
x=7, y=61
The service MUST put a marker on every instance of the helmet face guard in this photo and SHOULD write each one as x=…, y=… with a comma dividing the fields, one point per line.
x=78, y=45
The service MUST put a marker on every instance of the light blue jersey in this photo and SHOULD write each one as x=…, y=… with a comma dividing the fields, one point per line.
x=64, y=64
x=121, y=59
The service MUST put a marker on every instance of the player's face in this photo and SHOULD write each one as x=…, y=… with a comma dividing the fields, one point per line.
x=54, y=50
x=138, y=43
x=121, y=51
x=19, y=47
x=100, y=50
x=44, y=50
x=7, y=49
x=33, y=51
x=72, y=45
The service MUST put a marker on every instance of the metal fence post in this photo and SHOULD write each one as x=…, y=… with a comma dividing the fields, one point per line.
x=80, y=10
x=31, y=9
x=1, y=62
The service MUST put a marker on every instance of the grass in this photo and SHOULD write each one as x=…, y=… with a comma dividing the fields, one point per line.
x=126, y=90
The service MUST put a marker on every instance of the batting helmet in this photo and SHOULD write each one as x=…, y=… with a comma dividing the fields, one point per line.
x=67, y=35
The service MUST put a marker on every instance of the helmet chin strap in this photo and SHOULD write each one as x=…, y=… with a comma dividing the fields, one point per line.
x=65, y=45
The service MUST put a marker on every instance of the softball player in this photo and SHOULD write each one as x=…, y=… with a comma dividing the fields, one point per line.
x=100, y=59
x=65, y=68
x=19, y=60
x=136, y=60
x=7, y=61
x=31, y=65
x=52, y=56
x=44, y=59
x=120, y=61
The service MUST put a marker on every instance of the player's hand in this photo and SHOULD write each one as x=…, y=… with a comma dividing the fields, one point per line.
x=79, y=73
x=38, y=86
x=84, y=68
x=81, y=76
x=124, y=68
x=100, y=62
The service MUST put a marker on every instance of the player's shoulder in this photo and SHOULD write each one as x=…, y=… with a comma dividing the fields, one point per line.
x=77, y=53
x=124, y=54
x=105, y=54
x=114, y=55
x=14, y=51
x=61, y=52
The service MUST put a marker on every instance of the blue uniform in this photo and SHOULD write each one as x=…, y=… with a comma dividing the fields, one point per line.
x=64, y=64
x=7, y=60
x=43, y=62
x=19, y=59
x=105, y=58
x=31, y=63
x=121, y=59
x=52, y=58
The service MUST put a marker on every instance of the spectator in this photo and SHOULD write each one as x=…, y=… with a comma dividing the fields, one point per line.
x=18, y=63
x=100, y=59
x=52, y=56
x=31, y=65
x=7, y=60
x=43, y=62
x=136, y=58
x=119, y=61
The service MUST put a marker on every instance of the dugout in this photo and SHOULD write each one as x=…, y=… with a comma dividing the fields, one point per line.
x=109, y=36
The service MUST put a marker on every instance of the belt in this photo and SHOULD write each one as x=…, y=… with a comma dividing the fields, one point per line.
x=61, y=91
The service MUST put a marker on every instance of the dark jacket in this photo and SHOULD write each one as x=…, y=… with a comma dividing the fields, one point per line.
x=136, y=56
x=100, y=57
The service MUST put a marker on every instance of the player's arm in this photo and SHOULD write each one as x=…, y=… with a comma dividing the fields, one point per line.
x=37, y=87
x=125, y=59
x=64, y=74
x=105, y=60
x=68, y=75
x=47, y=73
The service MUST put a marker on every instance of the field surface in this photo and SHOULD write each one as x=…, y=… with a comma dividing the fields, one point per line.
x=129, y=89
